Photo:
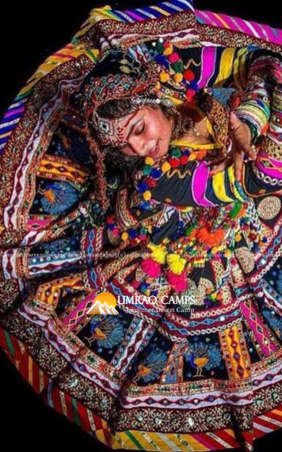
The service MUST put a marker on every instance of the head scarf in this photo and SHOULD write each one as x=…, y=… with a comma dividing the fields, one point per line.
x=120, y=75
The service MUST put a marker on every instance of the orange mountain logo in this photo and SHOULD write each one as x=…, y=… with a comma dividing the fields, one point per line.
x=104, y=303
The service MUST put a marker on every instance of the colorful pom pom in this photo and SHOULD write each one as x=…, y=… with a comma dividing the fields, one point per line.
x=175, y=263
x=151, y=267
x=177, y=282
x=147, y=195
x=164, y=76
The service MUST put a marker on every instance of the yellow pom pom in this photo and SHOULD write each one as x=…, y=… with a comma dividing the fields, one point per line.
x=157, y=86
x=237, y=237
x=192, y=156
x=124, y=236
x=214, y=250
x=165, y=167
x=178, y=77
x=168, y=50
x=149, y=160
x=164, y=76
x=175, y=263
x=227, y=253
x=158, y=256
x=213, y=296
x=158, y=253
x=147, y=195
x=185, y=209
x=199, y=262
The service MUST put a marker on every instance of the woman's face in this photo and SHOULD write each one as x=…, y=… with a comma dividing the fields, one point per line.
x=148, y=133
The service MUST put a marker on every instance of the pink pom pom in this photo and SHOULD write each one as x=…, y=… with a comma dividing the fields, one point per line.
x=173, y=57
x=135, y=284
x=115, y=231
x=178, y=282
x=151, y=267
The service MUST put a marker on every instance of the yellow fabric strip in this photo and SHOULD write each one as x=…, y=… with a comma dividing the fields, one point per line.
x=185, y=142
x=239, y=69
x=225, y=68
x=218, y=186
x=231, y=177
x=221, y=20
x=165, y=13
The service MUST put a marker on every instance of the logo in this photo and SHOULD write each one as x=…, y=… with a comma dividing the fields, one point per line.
x=104, y=303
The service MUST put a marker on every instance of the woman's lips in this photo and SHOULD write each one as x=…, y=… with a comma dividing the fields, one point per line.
x=154, y=151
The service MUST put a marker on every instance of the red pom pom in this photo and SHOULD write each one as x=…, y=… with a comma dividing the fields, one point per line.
x=188, y=75
x=174, y=162
x=111, y=218
x=190, y=93
x=183, y=159
x=150, y=182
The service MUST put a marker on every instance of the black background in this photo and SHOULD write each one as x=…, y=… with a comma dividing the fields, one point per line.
x=29, y=33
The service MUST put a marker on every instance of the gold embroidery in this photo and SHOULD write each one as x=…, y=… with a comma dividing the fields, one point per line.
x=245, y=258
x=237, y=275
x=269, y=207
x=204, y=285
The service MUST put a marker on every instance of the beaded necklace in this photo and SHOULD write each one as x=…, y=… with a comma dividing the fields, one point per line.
x=214, y=232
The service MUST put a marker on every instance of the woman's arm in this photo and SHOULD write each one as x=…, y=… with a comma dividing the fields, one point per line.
x=252, y=70
x=192, y=185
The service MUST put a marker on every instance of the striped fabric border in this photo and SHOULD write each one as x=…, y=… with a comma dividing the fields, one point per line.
x=10, y=120
x=256, y=29
x=160, y=9
x=156, y=11
x=14, y=113
x=17, y=352
x=75, y=411
x=268, y=422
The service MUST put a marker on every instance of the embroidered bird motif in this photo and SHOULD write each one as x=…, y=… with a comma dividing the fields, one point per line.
x=198, y=358
x=108, y=332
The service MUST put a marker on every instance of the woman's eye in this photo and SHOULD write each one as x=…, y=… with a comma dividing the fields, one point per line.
x=140, y=130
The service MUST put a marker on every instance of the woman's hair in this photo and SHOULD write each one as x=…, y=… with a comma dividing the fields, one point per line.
x=117, y=108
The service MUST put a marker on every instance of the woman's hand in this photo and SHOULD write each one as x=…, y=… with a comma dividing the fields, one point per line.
x=240, y=135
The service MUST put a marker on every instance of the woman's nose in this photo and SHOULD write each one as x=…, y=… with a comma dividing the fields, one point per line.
x=138, y=146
